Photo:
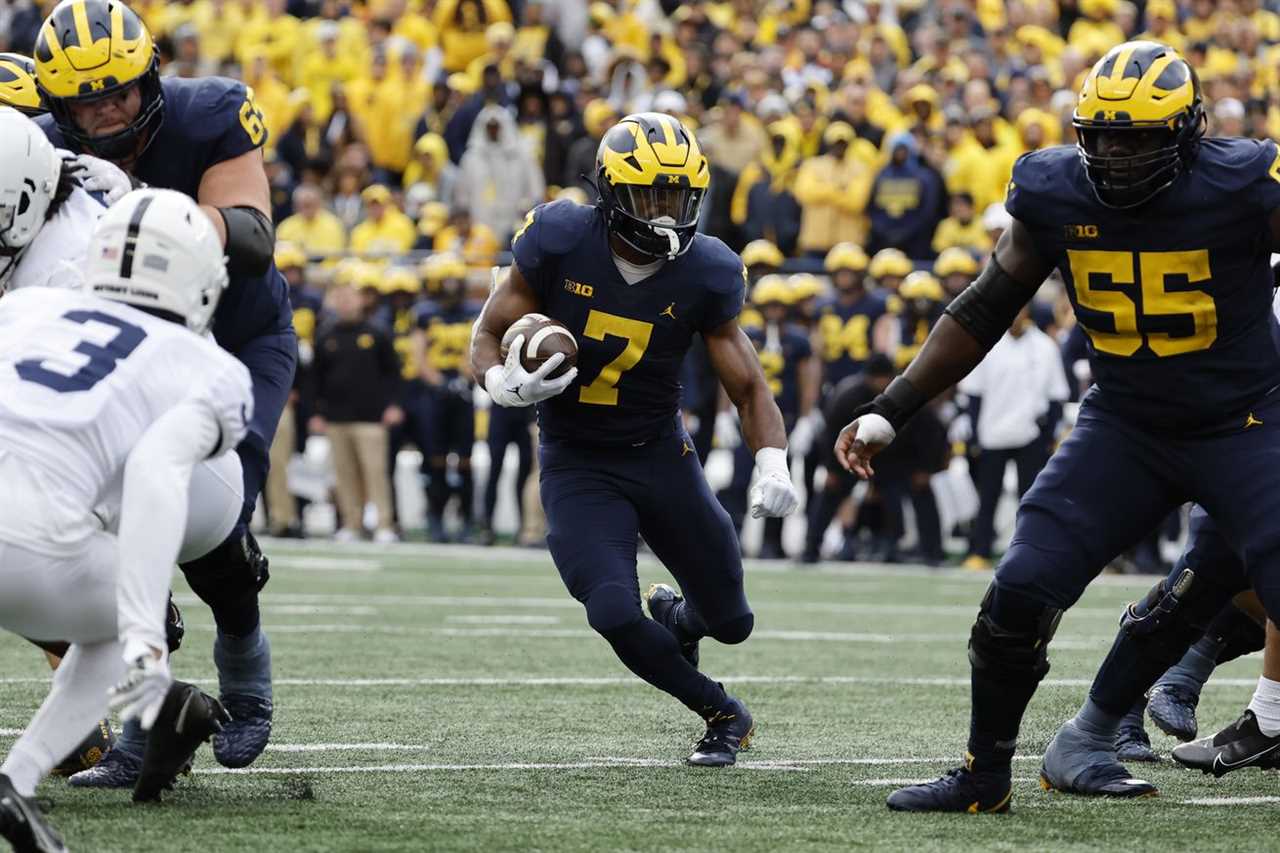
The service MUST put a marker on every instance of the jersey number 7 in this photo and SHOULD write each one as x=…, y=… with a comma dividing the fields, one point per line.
x=1154, y=270
x=604, y=390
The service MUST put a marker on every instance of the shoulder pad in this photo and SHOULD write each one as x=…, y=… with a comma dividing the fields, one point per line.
x=1042, y=181
x=562, y=224
x=203, y=107
x=1232, y=164
x=723, y=265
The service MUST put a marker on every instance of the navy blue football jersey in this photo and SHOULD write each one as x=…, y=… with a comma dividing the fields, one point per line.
x=448, y=331
x=1175, y=295
x=206, y=121
x=781, y=350
x=631, y=338
x=846, y=334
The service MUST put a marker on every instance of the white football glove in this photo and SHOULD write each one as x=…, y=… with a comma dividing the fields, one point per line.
x=804, y=433
x=726, y=432
x=511, y=386
x=773, y=495
x=99, y=176
x=142, y=692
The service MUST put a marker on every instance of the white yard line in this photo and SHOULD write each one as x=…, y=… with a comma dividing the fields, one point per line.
x=502, y=619
x=283, y=600
x=347, y=747
x=630, y=681
x=452, y=768
x=1230, y=801
x=1065, y=643
x=325, y=564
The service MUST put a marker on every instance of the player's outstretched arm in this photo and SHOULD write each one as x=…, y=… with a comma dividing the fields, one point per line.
x=972, y=325
x=738, y=367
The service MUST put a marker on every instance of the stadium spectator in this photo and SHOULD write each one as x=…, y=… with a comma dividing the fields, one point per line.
x=962, y=228
x=832, y=190
x=356, y=372
x=580, y=165
x=764, y=205
x=1015, y=402
x=430, y=176
x=905, y=200
x=499, y=180
x=314, y=229
x=385, y=229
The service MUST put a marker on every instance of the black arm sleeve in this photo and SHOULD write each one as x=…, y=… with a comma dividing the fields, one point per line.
x=987, y=307
x=251, y=240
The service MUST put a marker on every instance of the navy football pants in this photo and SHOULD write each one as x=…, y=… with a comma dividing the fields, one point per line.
x=597, y=501
x=271, y=359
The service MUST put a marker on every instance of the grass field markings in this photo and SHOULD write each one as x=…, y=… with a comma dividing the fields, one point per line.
x=566, y=603
x=502, y=619
x=875, y=783
x=1229, y=801
x=320, y=609
x=457, y=768
x=347, y=747
x=788, y=636
x=10, y=732
x=408, y=551
x=631, y=681
x=325, y=564
x=811, y=762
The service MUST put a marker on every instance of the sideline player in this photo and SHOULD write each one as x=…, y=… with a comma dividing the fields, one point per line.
x=634, y=283
x=1167, y=268
x=110, y=391
x=98, y=74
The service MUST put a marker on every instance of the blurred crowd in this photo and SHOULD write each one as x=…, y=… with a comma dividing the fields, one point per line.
x=859, y=150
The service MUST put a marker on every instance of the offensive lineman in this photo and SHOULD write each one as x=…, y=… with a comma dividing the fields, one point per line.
x=98, y=74
x=110, y=394
x=634, y=283
x=1168, y=270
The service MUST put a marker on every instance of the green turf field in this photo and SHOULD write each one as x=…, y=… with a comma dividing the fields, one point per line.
x=453, y=699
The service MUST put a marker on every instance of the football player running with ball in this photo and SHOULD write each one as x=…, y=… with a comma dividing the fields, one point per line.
x=633, y=283
x=1163, y=238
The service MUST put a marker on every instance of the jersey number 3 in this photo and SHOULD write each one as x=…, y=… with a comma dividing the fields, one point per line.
x=604, y=390
x=102, y=358
x=1156, y=271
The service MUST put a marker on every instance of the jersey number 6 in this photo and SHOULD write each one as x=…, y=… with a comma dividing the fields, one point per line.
x=604, y=390
x=251, y=119
x=1154, y=271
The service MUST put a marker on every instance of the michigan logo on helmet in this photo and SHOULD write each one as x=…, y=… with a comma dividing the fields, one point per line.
x=93, y=49
x=652, y=178
x=1139, y=121
x=18, y=84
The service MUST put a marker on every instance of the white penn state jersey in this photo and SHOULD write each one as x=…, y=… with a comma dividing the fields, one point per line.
x=81, y=380
x=55, y=258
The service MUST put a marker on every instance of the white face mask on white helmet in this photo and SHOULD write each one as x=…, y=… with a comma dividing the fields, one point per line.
x=157, y=250
x=29, y=170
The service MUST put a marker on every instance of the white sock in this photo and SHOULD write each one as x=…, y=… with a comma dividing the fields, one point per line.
x=77, y=700
x=1265, y=705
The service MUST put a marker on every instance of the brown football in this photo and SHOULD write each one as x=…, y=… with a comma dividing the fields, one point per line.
x=543, y=338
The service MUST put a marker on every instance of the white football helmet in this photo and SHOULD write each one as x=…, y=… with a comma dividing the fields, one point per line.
x=157, y=250
x=29, y=170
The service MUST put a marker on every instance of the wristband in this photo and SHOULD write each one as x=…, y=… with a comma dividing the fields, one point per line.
x=899, y=402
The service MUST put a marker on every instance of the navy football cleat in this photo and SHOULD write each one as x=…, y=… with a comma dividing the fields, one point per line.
x=728, y=732
x=245, y=736
x=187, y=719
x=90, y=751
x=1134, y=744
x=662, y=600
x=1075, y=763
x=958, y=790
x=23, y=824
x=117, y=769
x=1241, y=744
x=1172, y=708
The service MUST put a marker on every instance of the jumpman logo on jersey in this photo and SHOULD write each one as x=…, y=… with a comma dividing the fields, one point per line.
x=685, y=448
x=1251, y=421
x=669, y=311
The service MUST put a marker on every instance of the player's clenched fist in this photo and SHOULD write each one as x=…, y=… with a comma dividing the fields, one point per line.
x=510, y=385
x=863, y=438
x=773, y=495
